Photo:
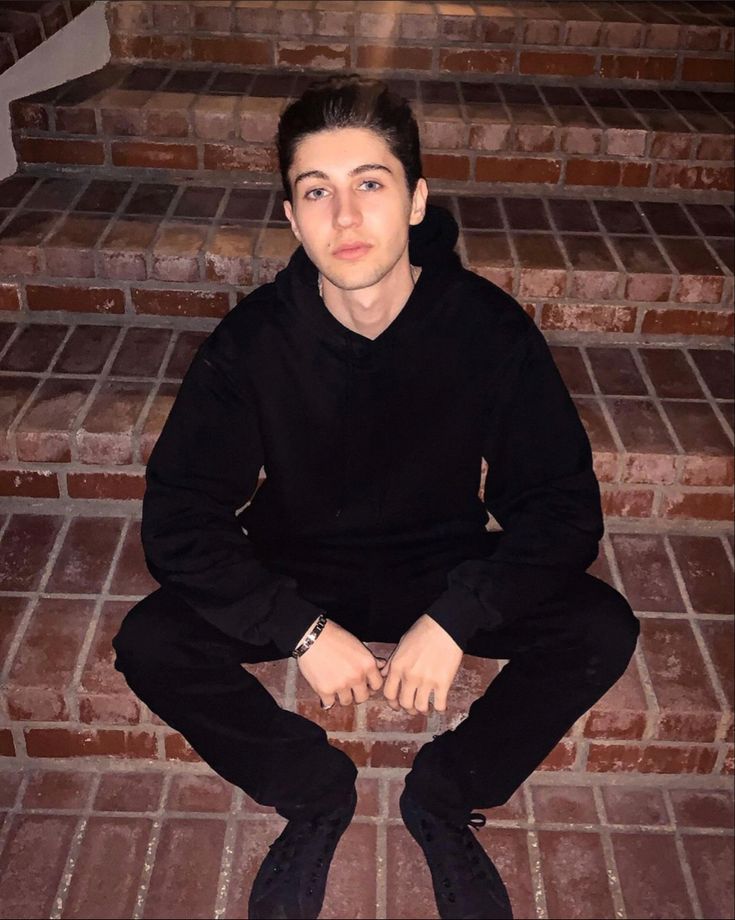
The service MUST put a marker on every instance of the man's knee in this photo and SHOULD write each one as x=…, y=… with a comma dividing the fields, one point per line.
x=611, y=630
x=140, y=635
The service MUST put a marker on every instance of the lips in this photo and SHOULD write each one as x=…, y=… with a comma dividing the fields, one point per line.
x=351, y=251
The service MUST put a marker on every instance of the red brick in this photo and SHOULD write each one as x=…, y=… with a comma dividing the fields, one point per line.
x=75, y=299
x=588, y=317
x=387, y=57
x=9, y=297
x=246, y=157
x=150, y=47
x=711, y=861
x=316, y=57
x=63, y=742
x=153, y=155
x=446, y=166
x=639, y=858
x=37, y=847
x=57, y=789
x=57, y=150
x=105, y=435
x=528, y=170
x=105, y=485
x=708, y=506
x=563, y=64
x=561, y=849
x=689, y=322
x=85, y=556
x=29, y=483
x=127, y=838
x=637, y=503
x=455, y=60
x=593, y=172
x=650, y=758
x=631, y=67
x=708, y=70
x=180, y=303
x=7, y=749
x=232, y=49
x=25, y=548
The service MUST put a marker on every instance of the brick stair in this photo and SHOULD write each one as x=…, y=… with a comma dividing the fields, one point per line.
x=171, y=118
x=585, y=151
x=603, y=269
x=24, y=24
x=644, y=43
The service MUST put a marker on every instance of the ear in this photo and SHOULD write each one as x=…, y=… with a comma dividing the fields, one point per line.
x=418, y=205
x=288, y=210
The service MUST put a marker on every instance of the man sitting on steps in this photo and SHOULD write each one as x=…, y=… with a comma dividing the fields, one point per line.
x=370, y=378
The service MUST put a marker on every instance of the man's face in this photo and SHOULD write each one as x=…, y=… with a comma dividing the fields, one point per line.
x=372, y=206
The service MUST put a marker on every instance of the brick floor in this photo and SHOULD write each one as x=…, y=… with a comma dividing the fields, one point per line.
x=123, y=841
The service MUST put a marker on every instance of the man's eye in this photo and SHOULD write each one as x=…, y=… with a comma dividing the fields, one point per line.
x=311, y=191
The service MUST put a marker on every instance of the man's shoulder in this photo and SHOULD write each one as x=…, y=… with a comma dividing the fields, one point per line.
x=244, y=322
x=489, y=310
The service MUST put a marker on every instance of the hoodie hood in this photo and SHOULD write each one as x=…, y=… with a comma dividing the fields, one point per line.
x=430, y=245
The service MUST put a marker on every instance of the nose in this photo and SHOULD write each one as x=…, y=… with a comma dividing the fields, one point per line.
x=346, y=210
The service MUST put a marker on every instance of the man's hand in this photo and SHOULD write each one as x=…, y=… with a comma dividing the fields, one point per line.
x=339, y=667
x=426, y=659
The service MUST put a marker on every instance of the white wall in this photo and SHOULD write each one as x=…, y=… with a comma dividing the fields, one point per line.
x=80, y=47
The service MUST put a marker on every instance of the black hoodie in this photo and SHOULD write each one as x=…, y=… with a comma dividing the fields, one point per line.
x=368, y=444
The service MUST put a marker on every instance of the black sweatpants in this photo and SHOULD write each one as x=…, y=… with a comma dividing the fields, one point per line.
x=561, y=658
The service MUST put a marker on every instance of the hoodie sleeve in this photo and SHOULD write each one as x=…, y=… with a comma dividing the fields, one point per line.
x=542, y=490
x=203, y=468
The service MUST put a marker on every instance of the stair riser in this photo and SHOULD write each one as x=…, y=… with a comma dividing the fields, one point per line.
x=422, y=41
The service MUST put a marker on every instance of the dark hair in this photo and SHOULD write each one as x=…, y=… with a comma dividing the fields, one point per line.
x=350, y=101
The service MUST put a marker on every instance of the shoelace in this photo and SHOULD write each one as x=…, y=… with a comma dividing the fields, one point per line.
x=461, y=842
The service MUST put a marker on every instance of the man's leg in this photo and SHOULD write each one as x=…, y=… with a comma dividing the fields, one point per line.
x=190, y=675
x=562, y=658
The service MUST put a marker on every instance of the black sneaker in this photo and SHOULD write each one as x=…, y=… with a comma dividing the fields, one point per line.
x=293, y=876
x=467, y=886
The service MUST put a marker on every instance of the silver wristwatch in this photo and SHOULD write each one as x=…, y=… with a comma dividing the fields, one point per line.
x=310, y=639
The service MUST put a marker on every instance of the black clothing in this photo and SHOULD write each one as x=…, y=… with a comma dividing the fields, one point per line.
x=562, y=657
x=372, y=452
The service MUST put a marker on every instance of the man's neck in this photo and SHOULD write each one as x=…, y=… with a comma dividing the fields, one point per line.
x=368, y=317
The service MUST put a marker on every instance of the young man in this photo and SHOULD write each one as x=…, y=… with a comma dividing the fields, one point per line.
x=370, y=379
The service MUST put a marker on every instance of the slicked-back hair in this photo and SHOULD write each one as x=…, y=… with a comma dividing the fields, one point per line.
x=350, y=101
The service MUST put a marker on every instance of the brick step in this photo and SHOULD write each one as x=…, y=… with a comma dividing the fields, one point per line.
x=24, y=24
x=82, y=406
x=660, y=845
x=555, y=137
x=66, y=581
x=601, y=269
x=645, y=43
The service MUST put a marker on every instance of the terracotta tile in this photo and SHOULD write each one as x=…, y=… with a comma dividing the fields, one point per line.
x=141, y=352
x=103, y=196
x=718, y=638
x=175, y=253
x=14, y=392
x=57, y=789
x=86, y=349
x=711, y=860
x=70, y=249
x=246, y=204
x=174, y=888
x=122, y=252
x=36, y=847
x=639, y=858
x=670, y=373
x=45, y=431
x=85, y=555
x=151, y=198
x=12, y=610
x=694, y=808
x=690, y=256
x=33, y=347
x=640, y=426
x=620, y=217
x=716, y=367
x=110, y=862
x=508, y=849
x=526, y=214
x=573, y=215
x=480, y=213
x=648, y=579
x=199, y=202
x=634, y=806
x=697, y=427
x=126, y=791
x=25, y=548
x=706, y=571
x=712, y=219
x=190, y=792
x=564, y=805
x=616, y=371
x=54, y=194
x=565, y=853
x=14, y=189
x=595, y=424
x=572, y=369
x=667, y=218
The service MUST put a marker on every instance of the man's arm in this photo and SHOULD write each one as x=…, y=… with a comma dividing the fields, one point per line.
x=542, y=490
x=204, y=467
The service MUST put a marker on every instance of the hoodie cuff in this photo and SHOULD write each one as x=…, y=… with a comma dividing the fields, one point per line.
x=294, y=616
x=459, y=612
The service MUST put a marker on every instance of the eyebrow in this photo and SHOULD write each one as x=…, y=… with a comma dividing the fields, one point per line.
x=318, y=174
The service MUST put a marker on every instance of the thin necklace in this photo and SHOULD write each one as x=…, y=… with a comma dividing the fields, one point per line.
x=414, y=278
